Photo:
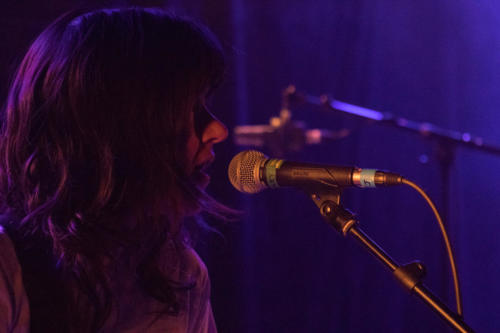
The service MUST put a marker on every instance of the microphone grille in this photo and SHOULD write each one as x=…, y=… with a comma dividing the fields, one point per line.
x=244, y=169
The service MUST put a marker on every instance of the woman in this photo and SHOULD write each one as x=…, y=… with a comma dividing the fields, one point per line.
x=104, y=151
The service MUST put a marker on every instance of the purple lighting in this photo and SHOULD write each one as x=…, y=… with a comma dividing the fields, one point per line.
x=357, y=110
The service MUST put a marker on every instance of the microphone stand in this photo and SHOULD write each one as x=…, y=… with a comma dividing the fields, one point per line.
x=410, y=275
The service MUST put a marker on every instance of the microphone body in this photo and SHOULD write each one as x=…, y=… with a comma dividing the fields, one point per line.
x=280, y=173
x=251, y=172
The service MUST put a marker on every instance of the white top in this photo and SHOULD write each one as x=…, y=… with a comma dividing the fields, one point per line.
x=137, y=313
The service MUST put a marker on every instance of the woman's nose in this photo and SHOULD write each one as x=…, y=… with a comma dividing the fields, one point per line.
x=215, y=131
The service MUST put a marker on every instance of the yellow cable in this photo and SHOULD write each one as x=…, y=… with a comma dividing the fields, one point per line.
x=446, y=241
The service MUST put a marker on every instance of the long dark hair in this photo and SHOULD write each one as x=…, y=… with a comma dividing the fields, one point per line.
x=92, y=146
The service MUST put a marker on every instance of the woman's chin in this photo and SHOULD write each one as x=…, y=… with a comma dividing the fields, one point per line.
x=201, y=179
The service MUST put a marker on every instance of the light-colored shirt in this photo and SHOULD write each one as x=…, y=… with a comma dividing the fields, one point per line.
x=14, y=306
x=136, y=312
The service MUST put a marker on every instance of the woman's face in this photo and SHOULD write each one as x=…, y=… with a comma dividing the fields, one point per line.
x=205, y=131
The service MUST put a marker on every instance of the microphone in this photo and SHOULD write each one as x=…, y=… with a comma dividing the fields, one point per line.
x=251, y=171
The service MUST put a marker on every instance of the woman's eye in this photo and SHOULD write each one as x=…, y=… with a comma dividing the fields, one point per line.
x=202, y=117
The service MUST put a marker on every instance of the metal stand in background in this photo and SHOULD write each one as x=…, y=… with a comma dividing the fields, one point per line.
x=426, y=130
x=410, y=275
x=447, y=140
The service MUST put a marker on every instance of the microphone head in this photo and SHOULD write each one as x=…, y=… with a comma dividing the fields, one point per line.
x=244, y=171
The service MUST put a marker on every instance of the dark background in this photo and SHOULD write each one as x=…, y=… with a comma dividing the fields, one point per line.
x=281, y=268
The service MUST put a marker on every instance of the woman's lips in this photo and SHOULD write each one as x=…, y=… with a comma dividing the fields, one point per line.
x=201, y=178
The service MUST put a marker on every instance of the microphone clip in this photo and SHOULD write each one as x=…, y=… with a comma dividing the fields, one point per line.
x=327, y=199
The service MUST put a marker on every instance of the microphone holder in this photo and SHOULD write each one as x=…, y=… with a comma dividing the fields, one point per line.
x=409, y=275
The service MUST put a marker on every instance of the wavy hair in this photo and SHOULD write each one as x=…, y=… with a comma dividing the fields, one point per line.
x=92, y=145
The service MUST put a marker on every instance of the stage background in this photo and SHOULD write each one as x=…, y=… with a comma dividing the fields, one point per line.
x=281, y=268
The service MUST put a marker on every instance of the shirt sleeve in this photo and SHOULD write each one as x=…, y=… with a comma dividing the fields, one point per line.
x=14, y=306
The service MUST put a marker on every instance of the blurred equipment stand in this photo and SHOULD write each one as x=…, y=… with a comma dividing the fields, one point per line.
x=447, y=140
x=283, y=135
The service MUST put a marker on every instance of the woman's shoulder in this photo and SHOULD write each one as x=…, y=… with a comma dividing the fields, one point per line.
x=182, y=263
x=193, y=264
x=200, y=311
